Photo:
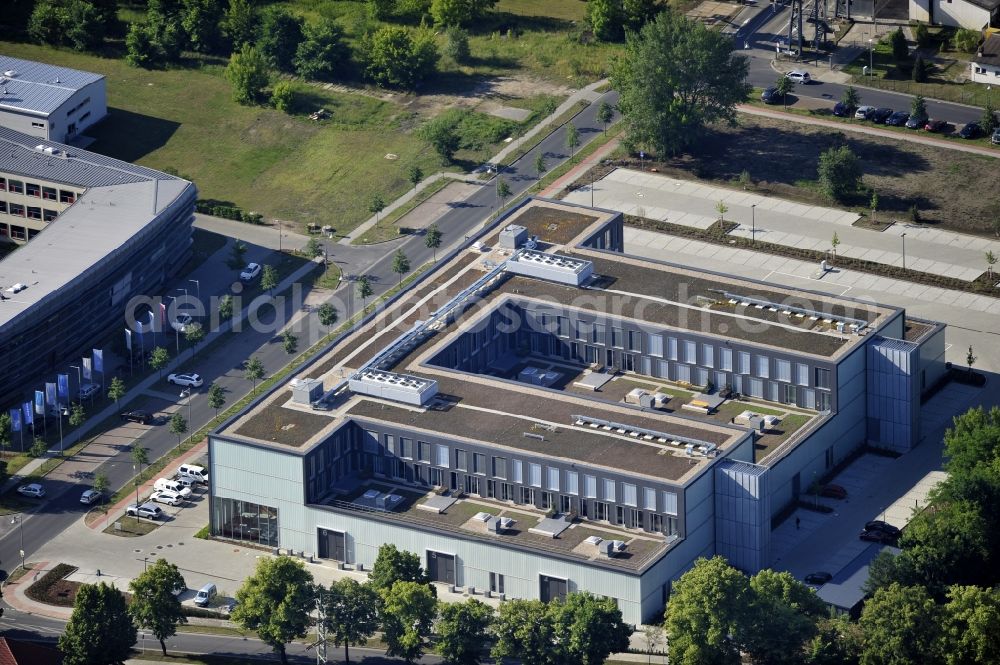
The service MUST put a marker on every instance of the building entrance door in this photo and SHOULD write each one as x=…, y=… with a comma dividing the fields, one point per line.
x=441, y=567
x=332, y=545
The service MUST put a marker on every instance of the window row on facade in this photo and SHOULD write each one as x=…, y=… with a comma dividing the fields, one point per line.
x=30, y=212
x=17, y=232
x=38, y=191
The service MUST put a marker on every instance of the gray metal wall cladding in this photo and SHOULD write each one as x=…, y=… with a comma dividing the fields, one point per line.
x=742, y=515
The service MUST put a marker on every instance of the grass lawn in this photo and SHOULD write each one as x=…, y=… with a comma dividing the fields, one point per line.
x=132, y=527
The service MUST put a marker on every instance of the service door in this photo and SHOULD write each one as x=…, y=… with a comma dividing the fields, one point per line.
x=441, y=567
x=551, y=588
x=332, y=545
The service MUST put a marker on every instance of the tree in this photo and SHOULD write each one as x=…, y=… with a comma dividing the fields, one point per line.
x=226, y=307
x=365, y=290
x=140, y=49
x=524, y=632
x=432, y=239
x=46, y=23
x=898, y=42
x=200, y=20
x=706, y=612
x=572, y=138
x=918, y=106
x=463, y=630
x=85, y=25
x=281, y=32
x=414, y=174
x=381, y=10
x=327, y=314
x=391, y=57
x=352, y=613
x=154, y=605
x=394, y=565
x=38, y=447
x=100, y=630
x=240, y=24
x=289, y=341
x=919, y=72
x=194, y=334
x=784, y=85
x=253, y=370
x=922, y=35
x=835, y=243
x=503, y=190
x=5, y=431
x=237, y=255
x=376, y=205
x=77, y=415
x=589, y=628
x=408, y=611
x=839, y=172
x=540, y=163
x=163, y=18
x=968, y=632
x=275, y=602
x=140, y=456
x=440, y=133
x=606, y=19
x=323, y=52
x=456, y=44
x=400, y=265
x=873, y=204
x=900, y=625
x=459, y=12
x=851, y=98
x=989, y=119
x=283, y=97
x=269, y=278
x=970, y=359
x=178, y=426
x=116, y=390
x=247, y=71
x=781, y=618
x=991, y=260
x=675, y=77
x=158, y=359
x=216, y=397
x=966, y=40
x=605, y=112
x=313, y=248
x=101, y=484
x=838, y=641
x=722, y=209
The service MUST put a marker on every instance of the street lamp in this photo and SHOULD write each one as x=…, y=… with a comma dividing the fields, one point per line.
x=19, y=521
x=753, y=224
x=871, y=61
x=197, y=283
x=903, y=238
x=187, y=393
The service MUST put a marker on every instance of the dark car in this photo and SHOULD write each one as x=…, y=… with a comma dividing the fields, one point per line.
x=877, y=537
x=137, y=416
x=770, y=96
x=885, y=527
x=937, y=126
x=832, y=491
x=842, y=110
x=818, y=578
x=916, y=121
x=971, y=130
x=879, y=116
x=897, y=119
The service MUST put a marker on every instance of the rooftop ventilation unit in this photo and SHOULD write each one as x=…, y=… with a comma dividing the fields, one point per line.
x=10, y=73
x=396, y=387
x=551, y=267
x=513, y=236
x=856, y=325
x=703, y=447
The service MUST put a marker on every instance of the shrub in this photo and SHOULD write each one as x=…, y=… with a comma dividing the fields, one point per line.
x=283, y=97
x=456, y=44
x=966, y=40
x=922, y=35
x=898, y=42
x=919, y=73
x=839, y=172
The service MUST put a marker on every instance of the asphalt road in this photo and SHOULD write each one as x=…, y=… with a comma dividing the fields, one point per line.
x=225, y=367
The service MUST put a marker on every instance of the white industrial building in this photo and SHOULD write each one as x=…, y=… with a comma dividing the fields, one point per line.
x=971, y=14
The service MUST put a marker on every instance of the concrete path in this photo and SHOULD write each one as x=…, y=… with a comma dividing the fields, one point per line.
x=782, y=222
x=254, y=234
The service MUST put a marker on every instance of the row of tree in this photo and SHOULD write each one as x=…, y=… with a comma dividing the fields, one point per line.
x=281, y=602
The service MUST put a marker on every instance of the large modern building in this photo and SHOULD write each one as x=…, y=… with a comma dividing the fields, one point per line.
x=548, y=414
x=49, y=102
x=97, y=231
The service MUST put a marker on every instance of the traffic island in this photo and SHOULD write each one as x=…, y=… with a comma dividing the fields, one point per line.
x=131, y=527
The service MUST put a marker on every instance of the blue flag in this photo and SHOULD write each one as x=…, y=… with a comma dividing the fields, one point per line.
x=40, y=402
x=29, y=418
x=128, y=339
x=88, y=372
x=63, y=383
x=15, y=420
x=50, y=393
x=99, y=360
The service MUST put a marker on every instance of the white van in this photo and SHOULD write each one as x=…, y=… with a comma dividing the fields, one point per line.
x=194, y=471
x=205, y=595
x=172, y=486
x=185, y=481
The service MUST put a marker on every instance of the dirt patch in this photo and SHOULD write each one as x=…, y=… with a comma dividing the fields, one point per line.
x=948, y=187
x=53, y=588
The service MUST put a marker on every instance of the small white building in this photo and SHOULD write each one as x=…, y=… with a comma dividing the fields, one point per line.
x=985, y=67
x=54, y=103
x=971, y=14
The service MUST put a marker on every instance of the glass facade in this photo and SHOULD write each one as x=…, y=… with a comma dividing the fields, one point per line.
x=245, y=522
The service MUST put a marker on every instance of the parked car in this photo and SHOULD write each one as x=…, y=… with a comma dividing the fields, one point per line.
x=877, y=537
x=88, y=390
x=194, y=471
x=879, y=525
x=842, y=110
x=937, y=126
x=798, y=76
x=897, y=119
x=972, y=130
x=995, y=139
x=818, y=578
x=167, y=497
x=33, y=490
x=917, y=121
x=864, y=112
x=832, y=491
x=169, y=485
x=181, y=322
x=137, y=416
x=90, y=496
x=879, y=116
x=190, y=380
x=147, y=510
x=770, y=96
x=205, y=595
x=250, y=272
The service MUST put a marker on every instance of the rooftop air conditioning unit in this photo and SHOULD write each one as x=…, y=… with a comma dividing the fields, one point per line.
x=10, y=73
